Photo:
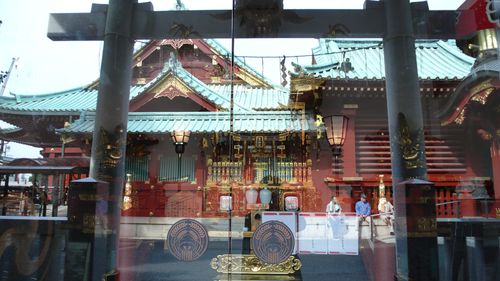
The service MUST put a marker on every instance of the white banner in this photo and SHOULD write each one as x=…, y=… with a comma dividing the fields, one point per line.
x=342, y=232
x=312, y=233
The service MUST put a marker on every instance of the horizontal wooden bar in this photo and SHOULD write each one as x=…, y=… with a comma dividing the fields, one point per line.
x=367, y=23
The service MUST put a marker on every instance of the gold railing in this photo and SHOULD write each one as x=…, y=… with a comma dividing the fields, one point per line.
x=261, y=172
x=224, y=172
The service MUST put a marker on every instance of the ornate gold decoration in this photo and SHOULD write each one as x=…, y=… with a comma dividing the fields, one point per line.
x=486, y=84
x=483, y=96
x=110, y=151
x=170, y=87
x=461, y=117
x=304, y=83
x=318, y=122
x=250, y=264
x=176, y=43
x=409, y=145
x=65, y=137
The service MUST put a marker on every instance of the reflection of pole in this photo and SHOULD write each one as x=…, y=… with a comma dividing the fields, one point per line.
x=4, y=84
x=55, y=195
x=5, y=195
x=415, y=257
x=57, y=188
x=2, y=145
x=110, y=128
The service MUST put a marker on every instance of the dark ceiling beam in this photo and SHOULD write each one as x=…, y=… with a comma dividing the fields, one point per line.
x=148, y=24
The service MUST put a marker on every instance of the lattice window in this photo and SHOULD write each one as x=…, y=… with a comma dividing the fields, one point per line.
x=169, y=169
x=138, y=167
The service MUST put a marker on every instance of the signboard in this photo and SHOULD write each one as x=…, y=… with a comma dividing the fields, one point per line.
x=312, y=233
x=343, y=234
x=288, y=218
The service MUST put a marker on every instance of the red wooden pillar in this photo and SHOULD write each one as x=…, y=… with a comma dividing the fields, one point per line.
x=200, y=173
x=349, y=160
x=154, y=168
x=349, y=148
x=495, y=167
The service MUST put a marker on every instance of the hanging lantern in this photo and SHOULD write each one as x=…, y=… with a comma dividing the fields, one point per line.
x=336, y=130
x=180, y=138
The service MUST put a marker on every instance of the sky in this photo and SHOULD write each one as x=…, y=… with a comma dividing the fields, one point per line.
x=46, y=66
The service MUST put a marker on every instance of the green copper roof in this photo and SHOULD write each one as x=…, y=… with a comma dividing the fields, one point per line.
x=174, y=68
x=74, y=101
x=70, y=101
x=436, y=60
x=199, y=122
x=254, y=98
x=216, y=46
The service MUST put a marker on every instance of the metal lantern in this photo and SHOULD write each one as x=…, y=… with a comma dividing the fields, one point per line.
x=180, y=139
x=180, y=136
x=336, y=130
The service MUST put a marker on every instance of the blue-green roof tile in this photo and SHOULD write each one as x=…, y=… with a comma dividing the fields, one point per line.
x=436, y=60
x=200, y=122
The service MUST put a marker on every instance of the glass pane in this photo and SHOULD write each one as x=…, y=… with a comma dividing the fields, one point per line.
x=318, y=140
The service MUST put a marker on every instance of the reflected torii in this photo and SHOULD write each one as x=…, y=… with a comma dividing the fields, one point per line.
x=123, y=21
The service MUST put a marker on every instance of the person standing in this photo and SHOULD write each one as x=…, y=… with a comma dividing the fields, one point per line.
x=363, y=209
x=43, y=201
x=333, y=206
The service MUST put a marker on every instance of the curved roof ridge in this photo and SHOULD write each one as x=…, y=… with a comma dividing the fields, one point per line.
x=366, y=56
x=223, y=52
x=455, y=51
x=176, y=69
x=46, y=95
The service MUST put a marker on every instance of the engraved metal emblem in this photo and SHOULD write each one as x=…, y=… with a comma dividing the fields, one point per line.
x=187, y=240
x=273, y=242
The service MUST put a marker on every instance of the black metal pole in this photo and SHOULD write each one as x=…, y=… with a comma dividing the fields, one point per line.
x=5, y=195
x=109, y=136
x=404, y=106
x=179, y=167
x=416, y=256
